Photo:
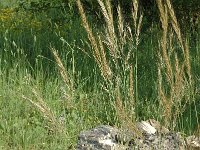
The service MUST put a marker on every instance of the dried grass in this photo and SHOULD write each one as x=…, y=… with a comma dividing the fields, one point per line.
x=45, y=110
x=98, y=51
x=110, y=54
x=172, y=72
x=173, y=100
x=63, y=72
x=126, y=121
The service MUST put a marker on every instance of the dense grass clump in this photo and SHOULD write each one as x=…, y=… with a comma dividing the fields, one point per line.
x=59, y=78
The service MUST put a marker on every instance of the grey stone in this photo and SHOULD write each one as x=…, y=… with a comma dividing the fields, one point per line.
x=99, y=138
x=106, y=137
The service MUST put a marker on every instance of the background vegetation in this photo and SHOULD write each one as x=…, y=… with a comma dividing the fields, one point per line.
x=67, y=66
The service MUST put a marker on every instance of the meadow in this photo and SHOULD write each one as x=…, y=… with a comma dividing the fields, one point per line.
x=60, y=77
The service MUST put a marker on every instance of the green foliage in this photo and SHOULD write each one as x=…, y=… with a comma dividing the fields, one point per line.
x=18, y=21
x=27, y=33
x=40, y=5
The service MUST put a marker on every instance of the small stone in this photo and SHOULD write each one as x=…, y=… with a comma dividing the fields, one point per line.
x=145, y=127
x=161, y=129
x=193, y=142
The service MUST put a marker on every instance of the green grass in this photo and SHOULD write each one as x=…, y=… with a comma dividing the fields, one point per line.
x=27, y=64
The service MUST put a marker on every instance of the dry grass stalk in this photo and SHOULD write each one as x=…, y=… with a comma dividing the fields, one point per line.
x=105, y=68
x=128, y=118
x=127, y=122
x=164, y=100
x=119, y=59
x=120, y=22
x=187, y=61
x=109, y=10
x=62, y=70
x=179, y=74
x=68, y=97
x=177, y=30
x=121, y=31
x=130, y=51
x=99, y=55
x=137, y=23
x=176, y=79
x=177, y=94
x=131, y=93
x=135, y=12
x=131, y=84
x=111, y=23
x=139, y=29
x=164, y=22
x=91, y=37
x=111, y=36
x=45, y=111
x=104, y=11
x=175, y=24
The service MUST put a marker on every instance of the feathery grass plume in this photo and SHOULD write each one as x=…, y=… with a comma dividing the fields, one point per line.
x=173, y=99
x=184, y=46
x=68, y=94
x=165, y=102
x=116, y=64
x=111, y=25
x=160, y=91
x=91, y=37
x=131, y=84
x=48, y=114
x=121, y=31
x=175, y=24
x=105, y=68
x=62, y=69
x=187, y=60
x=131, y=92
x=137, y=23
x=111, y=36
x=137, y=27
x=164, y=22
x=131, y=47
x=179, y=74
x=126, y=121
x=100, y=57
x=135, y=12
x=176, y=91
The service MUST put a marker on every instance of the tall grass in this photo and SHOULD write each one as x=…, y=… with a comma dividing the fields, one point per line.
x=175, y=82
x=177, y=72
x=115, y=52
x=58, y=81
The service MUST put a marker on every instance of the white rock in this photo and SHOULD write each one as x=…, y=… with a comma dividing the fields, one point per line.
x=146, y=127
x=107, y=142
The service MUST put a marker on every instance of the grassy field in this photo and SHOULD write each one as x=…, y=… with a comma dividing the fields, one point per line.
x=58, y=79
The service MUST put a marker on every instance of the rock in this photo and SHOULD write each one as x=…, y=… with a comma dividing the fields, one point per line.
x=99, y=138
x=193, y=142
x=145, y=127
x=154, y=136
x=161, y=129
